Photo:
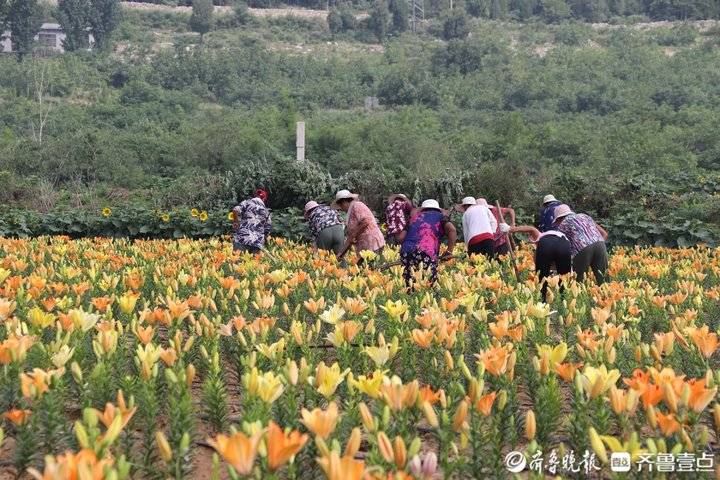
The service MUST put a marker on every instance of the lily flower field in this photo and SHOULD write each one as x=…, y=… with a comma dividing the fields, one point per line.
x=179, y=359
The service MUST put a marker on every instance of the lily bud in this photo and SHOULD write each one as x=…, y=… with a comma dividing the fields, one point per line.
x=651, y=417
x=414, y=447
x=461, y=415
x=430, y=414
x=353, y=443
x=670, y=397
x=530, y=425
x=502, y=399
x=400, y=452
x=385, y=447
x=597, y=445
x=163, y=446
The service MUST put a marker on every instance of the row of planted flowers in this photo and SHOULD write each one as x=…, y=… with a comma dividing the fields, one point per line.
x=144, y=359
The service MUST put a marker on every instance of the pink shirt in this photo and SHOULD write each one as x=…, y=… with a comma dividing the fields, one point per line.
x=371, y=238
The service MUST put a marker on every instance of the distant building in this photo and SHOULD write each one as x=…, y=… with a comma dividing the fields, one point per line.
x=49, y=39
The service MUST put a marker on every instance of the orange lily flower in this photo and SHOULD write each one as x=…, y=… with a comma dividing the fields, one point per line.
x=345, y=468
x=168, y=356
x=667, y=423
x=495, y=360
x=423, y=338
x=145, y=334
x=321, y=423
x=706, y=341
x=485, y=403
x=281, y=447
x=238, y=450
x=567, y=370
x=17, y=416
x=427, y=394
x=101, y=303
x=700, y=397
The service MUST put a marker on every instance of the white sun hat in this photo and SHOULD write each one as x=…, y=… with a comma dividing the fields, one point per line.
x=549, y=198
x=310, y=205
x=344, y=195
x=469, y=201
x=430, y=203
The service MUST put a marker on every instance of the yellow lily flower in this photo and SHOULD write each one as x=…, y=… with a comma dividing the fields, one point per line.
x=327, y=379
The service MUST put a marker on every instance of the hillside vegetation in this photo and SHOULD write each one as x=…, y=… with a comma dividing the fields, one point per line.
x=620, y=121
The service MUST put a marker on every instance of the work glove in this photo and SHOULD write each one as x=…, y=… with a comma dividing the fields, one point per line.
x=504, y=228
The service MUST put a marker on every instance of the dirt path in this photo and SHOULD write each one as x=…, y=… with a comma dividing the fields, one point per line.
x=258, y=12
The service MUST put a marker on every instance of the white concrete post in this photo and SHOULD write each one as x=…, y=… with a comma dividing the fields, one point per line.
x=300, y=140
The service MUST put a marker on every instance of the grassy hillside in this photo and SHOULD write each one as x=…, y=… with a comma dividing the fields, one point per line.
x=620, y=121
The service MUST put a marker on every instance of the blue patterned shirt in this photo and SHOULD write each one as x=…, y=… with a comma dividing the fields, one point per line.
x=254, y=221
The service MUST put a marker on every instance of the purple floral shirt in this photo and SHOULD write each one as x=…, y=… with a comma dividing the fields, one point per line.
x=580, y=229
x=396, y=215
x=425, y=231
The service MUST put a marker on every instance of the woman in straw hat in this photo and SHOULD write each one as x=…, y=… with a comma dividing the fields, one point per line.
x=361, y=228
x=421, y=246
x=326, y=227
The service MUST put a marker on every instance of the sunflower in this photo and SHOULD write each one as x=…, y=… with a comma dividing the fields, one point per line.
x=106, y=212
x=165, y=217
x=203, y=216
x=194, y=212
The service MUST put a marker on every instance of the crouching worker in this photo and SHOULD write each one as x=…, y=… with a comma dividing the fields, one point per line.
x=421, y=247
x=479, y=227
x=362, y=229
x=251, y=223
x=325, y=226
x=396, y=216
x=552, y=248
x=587, y=242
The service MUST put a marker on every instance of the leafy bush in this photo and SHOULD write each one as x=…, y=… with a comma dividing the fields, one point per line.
x=676, y=37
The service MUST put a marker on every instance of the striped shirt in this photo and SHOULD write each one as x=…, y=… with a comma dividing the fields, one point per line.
x=581, y=230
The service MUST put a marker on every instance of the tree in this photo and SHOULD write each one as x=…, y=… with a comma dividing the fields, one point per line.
x=498, y=9
x=455, y=24
x=25, y=20
x=73, y=17
x=380, y=19
x=554, y=10
x=4, y=9
x=334, y=19
x=400, y=15
x=104, y=17
x=524, y=8
x=478, y=8
x=202, y=16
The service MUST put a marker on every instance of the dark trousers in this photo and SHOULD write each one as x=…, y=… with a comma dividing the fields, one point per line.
x=551, y=250
x=486, y=247
x=416, y=260
x=242, y=248
x=593, y=257
x=503, y=249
